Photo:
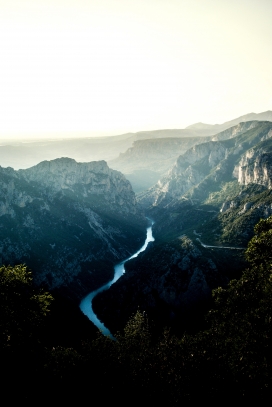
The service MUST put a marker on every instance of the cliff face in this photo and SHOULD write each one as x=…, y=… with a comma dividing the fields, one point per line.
x=255, y=166
x=68, y=221
x=147, y=153
x=216, y=161
x=85, y=179
x=143, y=158
x=189, y=170
x=235, y=130
x=203, y=218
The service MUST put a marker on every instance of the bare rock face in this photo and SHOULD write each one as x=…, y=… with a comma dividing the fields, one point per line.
x=246, y=156
x=145, y=154
x=255, y=166
x=190, y=169
x=235, y=130
x=92, y=178
x=228, y=205
x=67, y=221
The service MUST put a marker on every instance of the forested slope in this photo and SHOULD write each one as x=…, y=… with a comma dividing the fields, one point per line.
x=227, y=358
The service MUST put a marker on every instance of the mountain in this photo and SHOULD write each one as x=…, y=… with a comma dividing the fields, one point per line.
x=24, y=154
x=205, y=209
x=216, y=128
x=69, y=222
x=140, y=162
x=202, y=161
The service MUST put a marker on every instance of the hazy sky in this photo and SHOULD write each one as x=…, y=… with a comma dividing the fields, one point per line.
x=114, y=66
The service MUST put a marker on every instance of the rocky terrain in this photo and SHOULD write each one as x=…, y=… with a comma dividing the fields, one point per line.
x=140, y=162
x=68, y=221
x=220, y=188
x=213, y=161
x=204, y=209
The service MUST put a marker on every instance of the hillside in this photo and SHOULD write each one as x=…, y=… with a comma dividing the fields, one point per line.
x=140, y=162
x=21, y=154
x=68, y=221
x=205, y=209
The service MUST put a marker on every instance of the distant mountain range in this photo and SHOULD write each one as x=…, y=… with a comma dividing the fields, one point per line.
x=216, y=128
x=144, y=155
x=20, y=155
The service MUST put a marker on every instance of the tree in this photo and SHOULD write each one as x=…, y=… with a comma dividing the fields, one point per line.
x=241, y=321
x=23, y=307
x=259, y=249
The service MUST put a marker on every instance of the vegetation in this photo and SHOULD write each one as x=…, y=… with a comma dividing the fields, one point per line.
x=230, y=358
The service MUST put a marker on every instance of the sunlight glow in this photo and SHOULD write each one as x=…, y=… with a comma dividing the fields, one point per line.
x=118, y=66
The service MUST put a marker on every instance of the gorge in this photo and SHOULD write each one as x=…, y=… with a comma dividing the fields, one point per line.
x=119, y=270
x=183, y=300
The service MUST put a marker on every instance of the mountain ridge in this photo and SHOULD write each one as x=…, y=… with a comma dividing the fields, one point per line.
x=69, y=222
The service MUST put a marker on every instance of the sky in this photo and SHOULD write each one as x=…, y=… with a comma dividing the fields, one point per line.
x=106, y=67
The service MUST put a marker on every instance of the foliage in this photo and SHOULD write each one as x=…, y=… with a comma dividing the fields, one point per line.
x=241, y=330
x=22, y=306
x=230, y=358
x=259, y=249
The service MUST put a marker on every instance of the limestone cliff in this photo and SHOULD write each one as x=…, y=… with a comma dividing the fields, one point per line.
x=189, y=170
x=255, y=166
x=147, y=160
x=215, y=161
x=68, y=221
x=236, y=130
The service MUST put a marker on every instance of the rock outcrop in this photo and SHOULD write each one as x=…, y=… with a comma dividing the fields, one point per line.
x=216, y=161
x=235, y=130
x=255, y=166
x=140, y=162
x=190, y=169
x=68, y=221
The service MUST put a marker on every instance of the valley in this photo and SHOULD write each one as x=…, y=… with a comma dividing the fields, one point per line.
x=213, y=194
x=75, y=221
x=70, y=222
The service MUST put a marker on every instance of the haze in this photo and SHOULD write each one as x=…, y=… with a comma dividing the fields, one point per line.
x=108, y=67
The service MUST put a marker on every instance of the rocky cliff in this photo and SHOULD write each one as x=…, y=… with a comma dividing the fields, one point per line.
x=255, y=166
x=140, y=162
x=70, y=222
x=236, y=130
x=213, y=161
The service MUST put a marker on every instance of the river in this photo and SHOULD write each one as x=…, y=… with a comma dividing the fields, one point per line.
x=86, y=304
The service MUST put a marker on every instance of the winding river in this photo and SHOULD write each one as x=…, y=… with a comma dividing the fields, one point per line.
x=119, y=270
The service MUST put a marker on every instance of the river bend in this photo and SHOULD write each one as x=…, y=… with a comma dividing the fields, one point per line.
x=86, y=304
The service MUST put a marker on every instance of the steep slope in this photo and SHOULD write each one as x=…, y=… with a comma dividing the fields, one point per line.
x=204, y=209
x=24, y=154
x=70, y=222
x=228, y=194
x=212, y=161
x=140, y=162
x=171, y=282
